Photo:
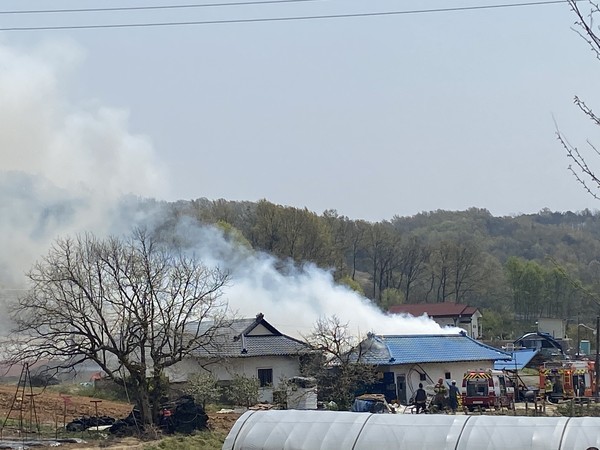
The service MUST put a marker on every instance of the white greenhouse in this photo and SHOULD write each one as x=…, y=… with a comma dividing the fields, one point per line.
x=332, y=430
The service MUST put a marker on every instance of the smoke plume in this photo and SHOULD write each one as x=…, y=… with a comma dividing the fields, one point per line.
x=70, y=168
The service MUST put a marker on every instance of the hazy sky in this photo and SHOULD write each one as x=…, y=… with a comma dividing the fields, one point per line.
x=372, y=116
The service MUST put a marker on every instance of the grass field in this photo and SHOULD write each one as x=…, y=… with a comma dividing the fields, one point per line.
x=208, y=440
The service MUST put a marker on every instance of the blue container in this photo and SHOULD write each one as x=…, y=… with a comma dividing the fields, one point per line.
x=584, y=347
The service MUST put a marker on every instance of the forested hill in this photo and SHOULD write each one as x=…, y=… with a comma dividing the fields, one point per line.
x=515, y=268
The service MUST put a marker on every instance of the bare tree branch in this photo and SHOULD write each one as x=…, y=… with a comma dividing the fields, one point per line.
x=131, y=306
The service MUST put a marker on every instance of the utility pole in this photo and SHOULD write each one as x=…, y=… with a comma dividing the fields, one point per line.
x=578, y=340
x=597, y=363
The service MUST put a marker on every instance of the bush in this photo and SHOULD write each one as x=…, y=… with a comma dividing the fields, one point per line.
x=243, y=390
x=204, y=388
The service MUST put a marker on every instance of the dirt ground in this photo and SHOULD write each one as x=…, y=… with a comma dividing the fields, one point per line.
x=52, y=410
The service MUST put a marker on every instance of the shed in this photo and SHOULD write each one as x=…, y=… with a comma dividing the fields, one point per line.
x=316, y=430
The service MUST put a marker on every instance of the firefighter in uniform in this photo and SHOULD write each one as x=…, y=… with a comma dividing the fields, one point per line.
x=548, y=387
x=421, y=399
x=440, y=395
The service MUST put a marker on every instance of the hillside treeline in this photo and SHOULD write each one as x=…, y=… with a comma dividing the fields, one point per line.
x=516, y=268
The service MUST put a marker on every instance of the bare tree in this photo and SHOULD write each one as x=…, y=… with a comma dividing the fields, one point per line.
x=412, y=265
x=131, y=306
x=584, y=26
x=455, y=270
x=337, y=361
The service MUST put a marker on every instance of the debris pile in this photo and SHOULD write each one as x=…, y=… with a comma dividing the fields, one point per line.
x=85, y=422
x=181, y=416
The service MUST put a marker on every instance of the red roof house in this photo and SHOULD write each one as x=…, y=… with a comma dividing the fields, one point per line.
x=452, y=314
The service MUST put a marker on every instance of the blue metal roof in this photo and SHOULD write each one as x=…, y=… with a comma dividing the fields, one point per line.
x=519, y=359
x=390, y=350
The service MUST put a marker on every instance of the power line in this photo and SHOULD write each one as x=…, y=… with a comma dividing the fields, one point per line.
x=157, y=7
x=283, y=19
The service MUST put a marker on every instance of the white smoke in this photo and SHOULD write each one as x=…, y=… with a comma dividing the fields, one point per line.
x=65, y=168
x=292, y=298
x=68, y=169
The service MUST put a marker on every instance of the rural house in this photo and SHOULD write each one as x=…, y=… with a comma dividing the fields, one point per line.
x=407, y=360
x=249, y=347
x=446, y=314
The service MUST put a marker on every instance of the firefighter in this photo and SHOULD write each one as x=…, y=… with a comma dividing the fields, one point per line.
x=548, y=387
x=581, y=387
x=453, y=395
x=440, y=395
x=421, y=399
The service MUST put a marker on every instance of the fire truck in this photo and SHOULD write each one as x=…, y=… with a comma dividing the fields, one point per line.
x=487, y=388
x=564, y=380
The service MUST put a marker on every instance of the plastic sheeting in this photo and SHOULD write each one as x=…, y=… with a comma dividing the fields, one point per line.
x=332, y=430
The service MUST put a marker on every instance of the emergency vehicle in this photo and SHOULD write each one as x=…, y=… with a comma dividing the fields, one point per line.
x=564, y=380
x=487, y=388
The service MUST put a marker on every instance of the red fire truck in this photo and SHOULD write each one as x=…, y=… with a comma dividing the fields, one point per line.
x=487, y=388
x=564, y=380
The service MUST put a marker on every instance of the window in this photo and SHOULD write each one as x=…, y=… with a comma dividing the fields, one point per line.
x=447, y=375
x=265, y=376
x=422, y=377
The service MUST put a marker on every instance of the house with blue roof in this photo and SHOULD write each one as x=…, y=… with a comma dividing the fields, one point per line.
x=249, y=347
x=404, y=361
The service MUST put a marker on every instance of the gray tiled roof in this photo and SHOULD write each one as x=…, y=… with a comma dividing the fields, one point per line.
x=235, y=341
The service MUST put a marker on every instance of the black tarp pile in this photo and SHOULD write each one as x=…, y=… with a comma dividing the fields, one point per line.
x=130, y=425
x=181, y=416
x=85, y=422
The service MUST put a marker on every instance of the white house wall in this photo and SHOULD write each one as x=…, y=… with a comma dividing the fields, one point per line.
x=284, y=367
x=434, y=372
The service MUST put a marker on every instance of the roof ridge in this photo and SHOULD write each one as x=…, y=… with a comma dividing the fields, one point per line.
x=419, y=335
x=487, y=346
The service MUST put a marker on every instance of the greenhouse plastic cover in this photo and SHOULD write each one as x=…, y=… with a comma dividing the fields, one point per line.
x=321, y=430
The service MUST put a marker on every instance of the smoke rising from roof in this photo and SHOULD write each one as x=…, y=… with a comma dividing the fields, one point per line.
x=70, y=168
x=294, y=298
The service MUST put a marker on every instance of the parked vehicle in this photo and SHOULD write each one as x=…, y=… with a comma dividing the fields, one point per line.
x=372, y=403
x=487, y=389
x=564, y=380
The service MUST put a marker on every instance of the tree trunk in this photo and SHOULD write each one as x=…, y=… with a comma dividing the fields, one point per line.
x=143, y=395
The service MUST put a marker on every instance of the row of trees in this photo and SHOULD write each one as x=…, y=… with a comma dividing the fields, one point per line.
x=467, y=257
